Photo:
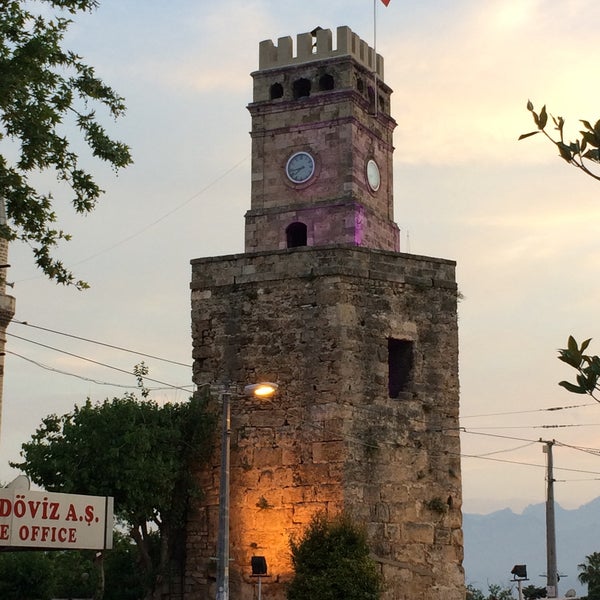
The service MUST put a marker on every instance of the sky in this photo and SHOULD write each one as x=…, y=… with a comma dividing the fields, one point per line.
x=521, y=224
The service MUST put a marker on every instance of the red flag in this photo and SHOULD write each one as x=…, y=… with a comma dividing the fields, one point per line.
x=386, y=2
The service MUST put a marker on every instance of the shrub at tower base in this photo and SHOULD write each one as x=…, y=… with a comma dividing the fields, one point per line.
x=331, y=561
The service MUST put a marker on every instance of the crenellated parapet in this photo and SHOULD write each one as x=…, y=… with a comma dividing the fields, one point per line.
x=318, y=46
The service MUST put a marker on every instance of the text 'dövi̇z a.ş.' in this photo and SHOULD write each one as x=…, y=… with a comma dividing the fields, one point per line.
x=51, y=520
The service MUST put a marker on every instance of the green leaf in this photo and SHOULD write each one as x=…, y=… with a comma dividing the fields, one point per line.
x=591, y=138
x=572, y=359
x=529, y=105
x=572, y=344
x=587, y=124
x=565, y=151
x=593, y=155
x=574, y=389
x=526, y=135
x=559, y=122
x=543, y=117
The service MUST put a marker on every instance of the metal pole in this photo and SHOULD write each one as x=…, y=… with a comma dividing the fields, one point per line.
x=551, y=568
x=259, y=588
x=375, y=53
x=223, y=539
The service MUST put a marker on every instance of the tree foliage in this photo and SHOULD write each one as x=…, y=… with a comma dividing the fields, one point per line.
x=46, y=92
x=25, y=576
x=531, y=592
x=331, y=561
x=590, y=575
x=583, y=153
x=136, y=451
x=37, y=575
x=586, y=366
x=495, y=592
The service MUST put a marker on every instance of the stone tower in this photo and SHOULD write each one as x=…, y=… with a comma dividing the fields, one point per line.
x=361, y=339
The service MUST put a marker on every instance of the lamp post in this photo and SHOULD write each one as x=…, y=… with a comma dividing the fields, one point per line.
x=519, y=575
x=260, y=390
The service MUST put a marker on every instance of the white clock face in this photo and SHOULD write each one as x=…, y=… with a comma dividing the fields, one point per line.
x=373, y=175
x=300, y=167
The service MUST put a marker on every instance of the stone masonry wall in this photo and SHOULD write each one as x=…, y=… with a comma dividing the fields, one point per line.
x=317, y=321
x=309, y=48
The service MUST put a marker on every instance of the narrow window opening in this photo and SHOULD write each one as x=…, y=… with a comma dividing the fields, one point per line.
x=371, y=95
x=301, y=88
x=360, y=85
x=296, y=234
x=326, y=82
x=276, y=91
x=400, y=362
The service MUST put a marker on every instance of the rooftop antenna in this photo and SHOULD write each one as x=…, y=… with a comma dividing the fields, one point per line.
x=385, y=2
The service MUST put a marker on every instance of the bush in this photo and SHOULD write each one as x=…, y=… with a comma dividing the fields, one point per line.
x=331, y=562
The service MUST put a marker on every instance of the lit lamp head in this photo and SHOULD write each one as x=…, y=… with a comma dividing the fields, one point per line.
x=261, y=390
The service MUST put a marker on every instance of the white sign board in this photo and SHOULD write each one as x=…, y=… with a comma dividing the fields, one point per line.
x=50, y=520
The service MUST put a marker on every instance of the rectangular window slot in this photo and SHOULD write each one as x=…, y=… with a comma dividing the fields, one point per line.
x=400, y=363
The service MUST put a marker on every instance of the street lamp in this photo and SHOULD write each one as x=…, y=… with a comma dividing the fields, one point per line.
x=519, y=573
x=260, y=390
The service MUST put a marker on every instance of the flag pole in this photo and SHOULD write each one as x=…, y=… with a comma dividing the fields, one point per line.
x=375, y=57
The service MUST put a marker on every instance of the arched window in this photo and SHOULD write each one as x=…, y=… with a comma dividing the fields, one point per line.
x=276, y=91
x=296, y=235
x=301, y=88
x=326, y=82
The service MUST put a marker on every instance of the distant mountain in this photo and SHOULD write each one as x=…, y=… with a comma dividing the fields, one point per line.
x=496, y=542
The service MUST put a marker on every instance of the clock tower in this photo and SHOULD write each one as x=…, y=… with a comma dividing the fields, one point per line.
x=361, y=338
x=321, y=146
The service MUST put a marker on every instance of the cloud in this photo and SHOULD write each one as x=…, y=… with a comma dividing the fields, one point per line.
x=461, y=90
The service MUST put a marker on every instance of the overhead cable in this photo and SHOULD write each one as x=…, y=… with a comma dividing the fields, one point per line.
x=77, y=337
x=90, y=360
x=61, y=372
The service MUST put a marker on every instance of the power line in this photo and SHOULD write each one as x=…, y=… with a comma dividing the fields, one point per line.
x=593, y=451
x=48, y=368
x=496, y=435
x=508, y=449
x=521, y=412
x=175, y=387
x=515, y=462
x=555, y=426
x=61, y=372
x=106, y=345
x=153, y=223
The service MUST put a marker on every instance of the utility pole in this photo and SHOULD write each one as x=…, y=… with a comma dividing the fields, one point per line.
x=223, y=534
x=551, y=568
